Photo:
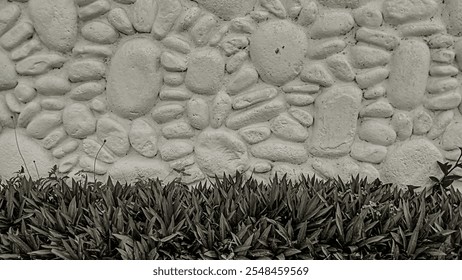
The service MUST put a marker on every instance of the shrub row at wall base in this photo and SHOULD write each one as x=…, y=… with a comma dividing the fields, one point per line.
x=232, y=218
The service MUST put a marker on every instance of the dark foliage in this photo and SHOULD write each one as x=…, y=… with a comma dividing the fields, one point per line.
x=231, y=218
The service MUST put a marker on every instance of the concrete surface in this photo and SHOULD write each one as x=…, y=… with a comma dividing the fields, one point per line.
x=193, y=89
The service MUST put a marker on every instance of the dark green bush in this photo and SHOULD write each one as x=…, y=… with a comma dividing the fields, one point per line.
x=232, y=218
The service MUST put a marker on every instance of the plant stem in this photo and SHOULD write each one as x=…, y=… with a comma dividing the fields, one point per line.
x=94, y=163
x=17, y=146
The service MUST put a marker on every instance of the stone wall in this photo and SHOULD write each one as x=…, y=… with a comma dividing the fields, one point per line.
x=191, y=89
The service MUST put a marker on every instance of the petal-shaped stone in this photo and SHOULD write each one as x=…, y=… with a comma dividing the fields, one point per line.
x=144, y=14
x=39, y=64
x=94, y=148
x=452, y=137
x=134, y=78
x=115, y=135
x=169, y=11
x=9, y=14
x=285, y=127
x=197, y=111
x=143, y=138
x=43, y=123
x=55, y=22
x=220, y=109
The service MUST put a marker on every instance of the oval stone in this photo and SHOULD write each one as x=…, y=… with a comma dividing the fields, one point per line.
x=409, y=73
x=334, y=129
x=228, y=9
x=412, y=163
x=451, y=16
x=402, y=11
x=99, y=32
x=55, y=23
x=205, y=71
x=78, y=120
x=134, y=78
x=8, y=76
x=277, y=49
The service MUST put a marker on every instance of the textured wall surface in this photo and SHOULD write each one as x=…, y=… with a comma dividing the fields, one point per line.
x=190, y=89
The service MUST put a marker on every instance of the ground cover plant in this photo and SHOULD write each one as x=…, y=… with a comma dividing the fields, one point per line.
x=230, y=218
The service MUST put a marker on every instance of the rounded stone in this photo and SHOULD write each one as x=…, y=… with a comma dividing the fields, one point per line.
x=86, y=70
x=255, y=133
x=143, y=138
x=114, y=134
x=168, y=112
x=343, y=3
x=24, y=92
x=78, y=120
x=368, y=16
x=8, y=76
x=134, y=78
x=52, y=85
x=377, y=132
x=176, y=149
x=43, y=123
x=280, y=151
x=332, y=24
x=206, y=69
x=55, y=23
x=277, y=49
x=423, y=122
x=287, y=128
x=228, y=9
x=133, y=167
x=197, y=111
x=402, y=11
x=452, y=137
x=402, y=124
x=410, y=62
x=411, y=163
x=221, y=151
x=451, y=16
x=30, y=150
x=99, y=32
x=119, y=19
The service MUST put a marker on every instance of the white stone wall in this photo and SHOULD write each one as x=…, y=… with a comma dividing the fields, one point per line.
x=193, y=89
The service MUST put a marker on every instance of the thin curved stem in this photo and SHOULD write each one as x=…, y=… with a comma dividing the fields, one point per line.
x=17, y=146
x=94, y=163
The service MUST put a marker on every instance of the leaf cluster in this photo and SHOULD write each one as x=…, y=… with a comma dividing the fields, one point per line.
x=230, y=218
